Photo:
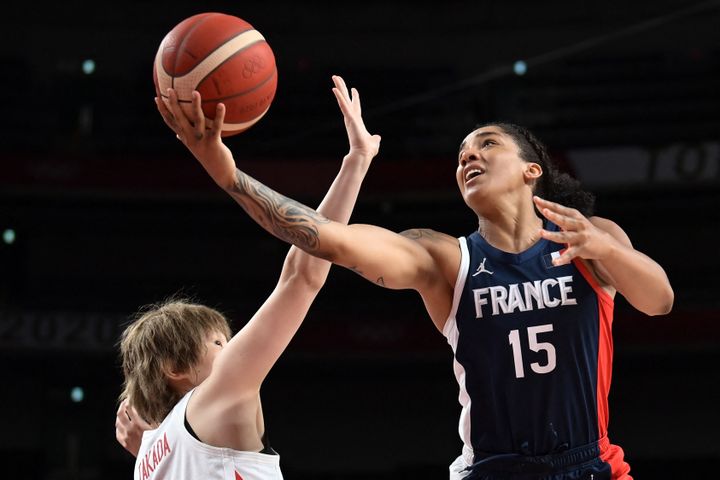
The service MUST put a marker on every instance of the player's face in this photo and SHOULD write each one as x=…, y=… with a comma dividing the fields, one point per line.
x=213, y=345
x=489, y=164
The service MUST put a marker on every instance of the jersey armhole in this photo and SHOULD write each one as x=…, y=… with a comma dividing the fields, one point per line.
x=602, y=294
x=459, y=286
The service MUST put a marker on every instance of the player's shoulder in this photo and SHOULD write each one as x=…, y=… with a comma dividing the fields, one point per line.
x=443, y=248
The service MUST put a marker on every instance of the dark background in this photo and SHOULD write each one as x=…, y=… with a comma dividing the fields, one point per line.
x=110, y=213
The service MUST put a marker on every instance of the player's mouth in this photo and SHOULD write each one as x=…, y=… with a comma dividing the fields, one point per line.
x=472, y=173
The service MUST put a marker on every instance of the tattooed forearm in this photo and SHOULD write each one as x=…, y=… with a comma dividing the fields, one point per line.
x=285, y=218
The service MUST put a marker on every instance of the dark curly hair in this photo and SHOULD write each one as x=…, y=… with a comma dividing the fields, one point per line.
x=554, y=184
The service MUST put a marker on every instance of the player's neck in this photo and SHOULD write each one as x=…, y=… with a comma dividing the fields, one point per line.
x=511, y=233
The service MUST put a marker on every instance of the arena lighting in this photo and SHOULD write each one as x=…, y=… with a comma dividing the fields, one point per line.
x=8, y=236
x=520, y=67
x=88, y=66
x=77, y=394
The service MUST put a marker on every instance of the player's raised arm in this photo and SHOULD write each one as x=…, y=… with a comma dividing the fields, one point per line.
x=249, y=356
x=381, y=256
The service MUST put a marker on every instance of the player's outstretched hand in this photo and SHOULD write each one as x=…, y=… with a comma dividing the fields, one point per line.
x=200, y=135
x=362, y=143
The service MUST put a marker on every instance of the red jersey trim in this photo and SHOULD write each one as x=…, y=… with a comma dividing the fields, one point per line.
x=605, y=347
x=609, y=453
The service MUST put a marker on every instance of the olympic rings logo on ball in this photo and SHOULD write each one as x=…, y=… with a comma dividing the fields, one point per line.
x=252, y=66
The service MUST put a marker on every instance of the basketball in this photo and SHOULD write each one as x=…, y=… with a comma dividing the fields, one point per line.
x=225, y=59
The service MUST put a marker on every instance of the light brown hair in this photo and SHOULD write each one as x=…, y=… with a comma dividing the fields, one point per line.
x=168, y=336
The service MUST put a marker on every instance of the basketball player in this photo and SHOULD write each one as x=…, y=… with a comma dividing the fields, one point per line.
x=199, y=388
x=525, y=301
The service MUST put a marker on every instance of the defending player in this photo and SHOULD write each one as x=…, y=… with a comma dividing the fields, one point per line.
x=199, y=388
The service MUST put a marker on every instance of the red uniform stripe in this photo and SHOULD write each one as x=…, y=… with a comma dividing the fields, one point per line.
x=609, y=453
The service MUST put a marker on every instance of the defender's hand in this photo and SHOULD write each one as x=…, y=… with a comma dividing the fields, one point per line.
x=362, y=143
x=129, y=427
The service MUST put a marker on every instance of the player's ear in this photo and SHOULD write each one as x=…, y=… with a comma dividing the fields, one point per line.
x=532, y=172
x=173, y=373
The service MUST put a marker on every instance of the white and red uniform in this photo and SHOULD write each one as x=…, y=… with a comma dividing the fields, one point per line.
x=170, y=452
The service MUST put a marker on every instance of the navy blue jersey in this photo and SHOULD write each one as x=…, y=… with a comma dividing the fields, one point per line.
x=533, y=350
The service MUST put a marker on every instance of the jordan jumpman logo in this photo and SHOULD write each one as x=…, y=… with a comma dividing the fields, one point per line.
x=482, y=269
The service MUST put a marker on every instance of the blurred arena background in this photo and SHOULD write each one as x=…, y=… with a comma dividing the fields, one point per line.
x=102, y=211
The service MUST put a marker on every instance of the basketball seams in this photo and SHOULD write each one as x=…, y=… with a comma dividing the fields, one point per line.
x=243, y=92
x=181, y=82
x=165, y=78
x=230, y=39
x=202, y=19
x=211, y=51
x=220, y=56
x=181, y=46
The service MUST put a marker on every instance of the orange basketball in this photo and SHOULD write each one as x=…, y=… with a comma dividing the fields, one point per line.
x=225, y=59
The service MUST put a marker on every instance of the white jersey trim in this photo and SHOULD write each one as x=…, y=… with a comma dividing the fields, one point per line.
x=451, y=333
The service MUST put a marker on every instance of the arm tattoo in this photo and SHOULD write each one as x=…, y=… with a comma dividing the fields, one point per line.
x=285, y=218
x=418, y=233
x=380, y=281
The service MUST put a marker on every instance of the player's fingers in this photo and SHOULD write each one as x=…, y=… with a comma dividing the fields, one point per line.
x=543, y=203
x=342, y=102
x=553, y=216
x=558, y=237
x=340, y=84
x=198, y=117
x=356, y=100
x=556, y=207
x=138, y=420
x=123, y=405
x=562, y=221
x=565, y=222
x=181, y=120
x=217, y=124
x=566, y=257
x=162, y=107
x=166, y=114
x=122, y=414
